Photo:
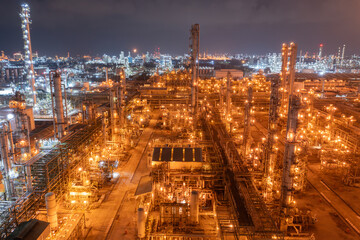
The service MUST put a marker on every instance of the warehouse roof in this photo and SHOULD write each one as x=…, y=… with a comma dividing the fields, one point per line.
x=177, y=154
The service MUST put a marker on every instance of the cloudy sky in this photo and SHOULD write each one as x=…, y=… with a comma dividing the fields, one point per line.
x=226, y=26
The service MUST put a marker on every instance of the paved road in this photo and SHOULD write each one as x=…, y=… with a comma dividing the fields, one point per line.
x=100, y=219
x=335, y=201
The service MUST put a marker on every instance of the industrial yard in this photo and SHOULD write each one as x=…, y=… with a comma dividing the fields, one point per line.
x=200, y=147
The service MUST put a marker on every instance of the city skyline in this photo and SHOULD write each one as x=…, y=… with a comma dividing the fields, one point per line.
x=251, y=27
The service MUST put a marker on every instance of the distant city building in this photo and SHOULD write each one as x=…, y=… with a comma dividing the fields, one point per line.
x=166, y=62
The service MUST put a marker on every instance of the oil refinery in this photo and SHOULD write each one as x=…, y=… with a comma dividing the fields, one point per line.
x=194, y=147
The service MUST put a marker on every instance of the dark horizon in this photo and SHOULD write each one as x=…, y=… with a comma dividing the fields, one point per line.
x=252, y=27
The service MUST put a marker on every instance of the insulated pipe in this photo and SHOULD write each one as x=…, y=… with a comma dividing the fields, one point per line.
x=141, y=222
x=194, y=207
x=51, y=209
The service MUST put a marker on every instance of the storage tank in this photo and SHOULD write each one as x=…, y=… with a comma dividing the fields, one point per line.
x=194, y=207
x=51, y=209
x=141, y=222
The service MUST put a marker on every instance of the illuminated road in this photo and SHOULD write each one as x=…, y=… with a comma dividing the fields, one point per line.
x=102, y=218
x=348, y=214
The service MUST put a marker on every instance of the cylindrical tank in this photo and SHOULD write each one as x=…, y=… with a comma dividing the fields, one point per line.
x=194, y=207
x=141, y=222
x=59, y=108
x=51, y=209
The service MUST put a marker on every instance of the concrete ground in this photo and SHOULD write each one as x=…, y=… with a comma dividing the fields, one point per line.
x=124, y=226
x=333, y=180
x=329, y=225
x=335, y=200
x=100, y=220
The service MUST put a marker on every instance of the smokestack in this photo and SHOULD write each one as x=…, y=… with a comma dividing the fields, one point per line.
x=59, y=108
x=194, y=57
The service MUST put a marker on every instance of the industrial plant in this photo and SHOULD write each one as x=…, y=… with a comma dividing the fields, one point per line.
x=159, y=147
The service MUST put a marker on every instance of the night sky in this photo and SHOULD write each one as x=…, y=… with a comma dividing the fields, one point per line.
x=96, y=27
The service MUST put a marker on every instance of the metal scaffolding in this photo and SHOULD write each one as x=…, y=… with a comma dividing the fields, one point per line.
x=250, y=210
x=51, y=171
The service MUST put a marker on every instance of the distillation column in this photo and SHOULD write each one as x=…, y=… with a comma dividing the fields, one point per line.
x=121, y=95
x=59, y=108
x=112, y=112
x=247, y=119
x=194, y=60
x=289, y=153
x=4, y=143
x=228, y=93
x=273, y=131
x=284, y=74
x=22, y=124
x=221, y=94
x=25, y=26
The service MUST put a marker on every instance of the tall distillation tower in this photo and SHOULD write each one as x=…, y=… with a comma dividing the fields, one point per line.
x=25, y=26
x=289, y=155
x=194, y=61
